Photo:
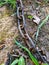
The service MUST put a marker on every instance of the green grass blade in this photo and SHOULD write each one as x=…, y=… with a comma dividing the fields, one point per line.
x=40, y=25
x=35, y=61
x=14, y=62
x=21, y=61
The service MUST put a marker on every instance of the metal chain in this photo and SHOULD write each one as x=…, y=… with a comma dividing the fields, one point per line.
x=22, y=28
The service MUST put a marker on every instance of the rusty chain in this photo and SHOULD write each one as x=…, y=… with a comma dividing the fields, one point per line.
x=22, y=28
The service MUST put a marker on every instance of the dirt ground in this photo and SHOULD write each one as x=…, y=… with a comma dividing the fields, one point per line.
x=9, y=30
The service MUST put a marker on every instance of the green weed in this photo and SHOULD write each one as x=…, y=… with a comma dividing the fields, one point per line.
x=11, y=2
